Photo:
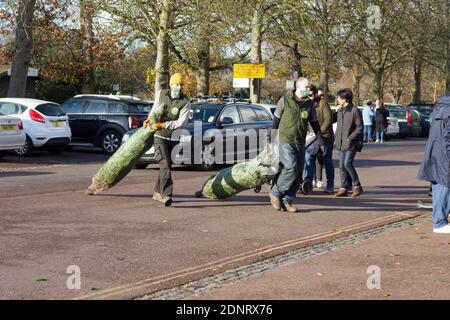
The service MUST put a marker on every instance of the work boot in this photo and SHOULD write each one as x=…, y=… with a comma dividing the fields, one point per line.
x=166, y=200
x=157, y=196
x=275, y=201
x=341, y=193
x=287, y=207
x=357, y=191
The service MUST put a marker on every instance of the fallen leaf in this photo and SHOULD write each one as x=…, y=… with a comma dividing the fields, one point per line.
x=41, y=280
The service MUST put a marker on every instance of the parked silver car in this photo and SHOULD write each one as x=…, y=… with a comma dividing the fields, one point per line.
x=11, y=134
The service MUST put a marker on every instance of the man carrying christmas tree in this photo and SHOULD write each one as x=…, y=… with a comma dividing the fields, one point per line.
x=175, y=108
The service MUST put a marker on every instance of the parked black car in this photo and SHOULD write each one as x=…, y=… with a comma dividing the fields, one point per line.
x=232, y=121
x=101, y=121
x=425, y=109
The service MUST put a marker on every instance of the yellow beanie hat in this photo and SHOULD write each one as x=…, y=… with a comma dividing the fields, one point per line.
x=176, y=78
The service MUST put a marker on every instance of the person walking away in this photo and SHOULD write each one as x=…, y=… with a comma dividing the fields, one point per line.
x=175, y=106
x=348, y=141
x=381, y=122
x=435, y=166
x=368, y=115
x=325, y=118
x=292, y=115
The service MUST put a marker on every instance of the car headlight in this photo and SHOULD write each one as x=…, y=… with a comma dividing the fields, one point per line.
x=185, y=138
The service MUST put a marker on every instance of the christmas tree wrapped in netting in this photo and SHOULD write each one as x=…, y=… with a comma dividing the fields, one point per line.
x=242, y=176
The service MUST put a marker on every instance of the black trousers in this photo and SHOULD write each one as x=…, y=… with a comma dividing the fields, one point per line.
x=164, y=183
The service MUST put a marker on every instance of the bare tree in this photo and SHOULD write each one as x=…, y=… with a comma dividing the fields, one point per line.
x=23, y=48
x=87, y=34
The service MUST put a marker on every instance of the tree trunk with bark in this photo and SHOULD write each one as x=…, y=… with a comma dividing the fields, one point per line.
x=377, y=83
x=297, y=60
x=23, y=49
x=162, y=47
x=325, y=76
x=87, y=34
x=255, y=53
x=418, y=66
x=202, y=73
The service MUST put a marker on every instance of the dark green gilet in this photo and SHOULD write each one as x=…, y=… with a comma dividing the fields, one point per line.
x=293, y=125
x=171, y=110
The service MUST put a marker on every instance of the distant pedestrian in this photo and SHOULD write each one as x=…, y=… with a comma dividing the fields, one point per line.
x=348, y=141
x=368, y=115
x=313, y=167
x=436, y=164
x=381, y=122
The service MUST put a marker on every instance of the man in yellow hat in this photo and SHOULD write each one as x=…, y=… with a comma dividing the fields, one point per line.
x=175, y=106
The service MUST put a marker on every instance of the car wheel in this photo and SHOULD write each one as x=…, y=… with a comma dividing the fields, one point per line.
x=111, y=141
x=3, y=153
x=26, y=150
x=55, y=150
x=387, y=138
x=141, y=166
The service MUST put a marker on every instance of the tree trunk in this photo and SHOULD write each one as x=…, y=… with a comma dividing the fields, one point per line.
x=357, y=85
x=324, y=76
x=297, y=61
x=255, y=53
x=418, y=64
x=87, y=34
x=24, y=46
x=377, y=83
x=202, y=74
x=162, y=47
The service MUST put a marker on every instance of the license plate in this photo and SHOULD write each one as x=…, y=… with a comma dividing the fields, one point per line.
x=8, y=127
x=57, y=124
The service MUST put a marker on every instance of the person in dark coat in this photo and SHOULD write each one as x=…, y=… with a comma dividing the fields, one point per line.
x=348, y=140
x=381, y=122
x=436, y=163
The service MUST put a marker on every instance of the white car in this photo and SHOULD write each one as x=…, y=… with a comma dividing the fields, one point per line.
x=45, y=124
x=11, y=134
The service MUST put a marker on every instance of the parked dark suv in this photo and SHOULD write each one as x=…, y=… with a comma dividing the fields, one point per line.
x=237, y=122
x=101, y=121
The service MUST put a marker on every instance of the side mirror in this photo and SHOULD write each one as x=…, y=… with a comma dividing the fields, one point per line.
x=226, y=120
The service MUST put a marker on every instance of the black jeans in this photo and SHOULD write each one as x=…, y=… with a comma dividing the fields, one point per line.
x=164, y=183
x=349, y=175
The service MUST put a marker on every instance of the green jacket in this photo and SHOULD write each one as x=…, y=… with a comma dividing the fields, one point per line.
x=171, y=110
x=294, y=121
x=325, y=117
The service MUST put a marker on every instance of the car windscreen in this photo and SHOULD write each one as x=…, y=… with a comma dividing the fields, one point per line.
x=203, y=113
x=52, y=110
x=397, y=113
x=140, y=107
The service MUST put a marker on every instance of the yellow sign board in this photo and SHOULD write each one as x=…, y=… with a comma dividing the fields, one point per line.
x=249, y=71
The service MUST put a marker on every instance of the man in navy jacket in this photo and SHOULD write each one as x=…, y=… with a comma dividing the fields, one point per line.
x=436, y=163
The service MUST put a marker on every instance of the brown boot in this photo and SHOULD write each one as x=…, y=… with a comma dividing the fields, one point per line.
x=357, y=191
x=275, y=201
x=287, y=207
x=341, y=193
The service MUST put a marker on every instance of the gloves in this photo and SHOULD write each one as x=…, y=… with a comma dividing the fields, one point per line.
x=158, y=126
x=145, y=124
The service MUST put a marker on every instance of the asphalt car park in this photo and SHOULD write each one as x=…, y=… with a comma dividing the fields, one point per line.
x=126, y=245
